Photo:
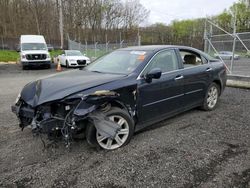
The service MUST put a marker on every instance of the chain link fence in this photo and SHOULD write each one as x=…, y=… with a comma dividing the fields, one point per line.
x=224, y=42
x=96, y=49
x=13, y=43
x=225, y=45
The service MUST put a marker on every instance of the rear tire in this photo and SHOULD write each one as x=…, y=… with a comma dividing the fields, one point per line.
x=211, y=97
x=123, y=136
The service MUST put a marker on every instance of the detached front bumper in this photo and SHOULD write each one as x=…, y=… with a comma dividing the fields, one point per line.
x=24, y=111
x=15, y=109
x=25, y=115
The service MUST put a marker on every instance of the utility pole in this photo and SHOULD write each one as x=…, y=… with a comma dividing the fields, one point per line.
x=139, y=36
x=61, y=22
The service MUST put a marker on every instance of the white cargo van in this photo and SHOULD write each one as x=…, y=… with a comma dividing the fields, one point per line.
x=34, y=51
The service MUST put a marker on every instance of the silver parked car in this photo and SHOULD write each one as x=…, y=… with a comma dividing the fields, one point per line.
x=226, y=55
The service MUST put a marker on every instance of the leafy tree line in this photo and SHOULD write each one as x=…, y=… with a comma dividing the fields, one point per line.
x=88, y=20
x=191, y=32
x=112, y=20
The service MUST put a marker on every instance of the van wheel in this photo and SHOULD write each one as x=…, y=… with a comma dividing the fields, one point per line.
x=211, y=98
x=123, y=136
x=24, y=67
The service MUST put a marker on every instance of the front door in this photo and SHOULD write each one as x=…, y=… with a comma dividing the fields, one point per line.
x=164, y=95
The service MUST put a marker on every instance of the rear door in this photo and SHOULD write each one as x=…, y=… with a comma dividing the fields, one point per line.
x=197, y=73
x=161, y=96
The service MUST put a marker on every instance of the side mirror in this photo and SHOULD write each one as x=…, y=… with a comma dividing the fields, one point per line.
x=153, y=74
x=18, y=50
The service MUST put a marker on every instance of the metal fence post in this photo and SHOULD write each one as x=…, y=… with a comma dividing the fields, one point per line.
x=95, y=48
x=107, y=44
x=86, y=47
x=121, y=43
x=234, y=41
x=210, y=34
x=2, y=43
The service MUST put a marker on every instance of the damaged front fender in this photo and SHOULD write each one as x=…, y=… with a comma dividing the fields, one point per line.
x=91, y=102
x=88, y=108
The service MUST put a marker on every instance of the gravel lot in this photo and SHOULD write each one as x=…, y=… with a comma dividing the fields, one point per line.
x=194, y=149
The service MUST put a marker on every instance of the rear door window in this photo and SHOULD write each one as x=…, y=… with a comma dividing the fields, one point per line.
x=191, y=58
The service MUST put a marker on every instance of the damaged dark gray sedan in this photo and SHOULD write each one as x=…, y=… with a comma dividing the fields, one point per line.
x=121, y=93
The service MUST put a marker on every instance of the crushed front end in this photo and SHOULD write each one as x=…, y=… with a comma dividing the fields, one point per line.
x=67, y=118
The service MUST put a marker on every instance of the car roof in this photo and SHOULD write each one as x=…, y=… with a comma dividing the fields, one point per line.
x=156, y=47
x=32, y=39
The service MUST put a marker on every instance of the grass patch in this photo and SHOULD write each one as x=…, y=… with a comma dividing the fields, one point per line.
x=55, y=53
x=11, y=55
x=8, y=55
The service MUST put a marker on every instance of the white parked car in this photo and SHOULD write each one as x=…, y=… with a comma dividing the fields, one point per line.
x=227, y=55
x=73, y=58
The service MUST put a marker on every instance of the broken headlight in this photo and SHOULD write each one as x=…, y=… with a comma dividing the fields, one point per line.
x=18, y=98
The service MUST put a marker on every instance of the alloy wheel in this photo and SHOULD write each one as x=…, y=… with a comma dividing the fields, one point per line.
x=120, y=138
x=212, y=97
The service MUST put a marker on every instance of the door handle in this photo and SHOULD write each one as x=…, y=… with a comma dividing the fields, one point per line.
x=208, y=69
x=179, y=77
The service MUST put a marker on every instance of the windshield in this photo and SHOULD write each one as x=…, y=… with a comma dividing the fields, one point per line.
x=118, y=62
x=33, y=46
x=73, y=53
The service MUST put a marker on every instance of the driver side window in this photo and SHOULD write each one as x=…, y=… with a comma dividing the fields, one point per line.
x=165, y=60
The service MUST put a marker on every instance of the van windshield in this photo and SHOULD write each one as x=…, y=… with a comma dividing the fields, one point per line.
x=33, y=46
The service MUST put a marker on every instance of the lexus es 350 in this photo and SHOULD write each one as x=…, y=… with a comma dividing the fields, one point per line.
x=121, y=93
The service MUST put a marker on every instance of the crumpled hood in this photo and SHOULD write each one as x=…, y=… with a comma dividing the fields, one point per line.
x=58, y=86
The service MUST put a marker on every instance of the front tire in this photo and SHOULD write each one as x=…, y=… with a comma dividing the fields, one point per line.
x=123, y=136
x=212, y=97
x=24, y=67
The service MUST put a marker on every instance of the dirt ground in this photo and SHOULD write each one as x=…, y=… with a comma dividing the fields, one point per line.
x=194, y=149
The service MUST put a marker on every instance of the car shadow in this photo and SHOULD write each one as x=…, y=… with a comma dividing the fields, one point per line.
x=170, y=120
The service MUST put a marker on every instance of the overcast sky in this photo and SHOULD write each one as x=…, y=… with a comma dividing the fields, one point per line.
x=166, y=11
